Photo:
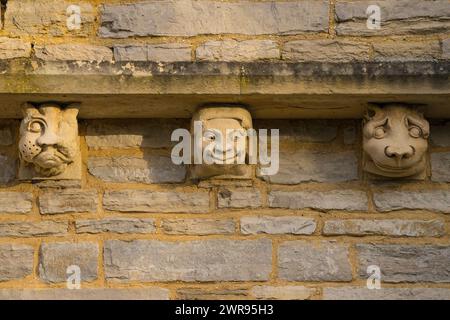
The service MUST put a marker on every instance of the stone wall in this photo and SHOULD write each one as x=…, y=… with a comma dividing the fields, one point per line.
x=139, y=229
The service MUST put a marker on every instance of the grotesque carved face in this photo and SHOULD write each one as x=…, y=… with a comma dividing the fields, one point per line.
x=395, y=141
x=223, y=141
x=49, y=138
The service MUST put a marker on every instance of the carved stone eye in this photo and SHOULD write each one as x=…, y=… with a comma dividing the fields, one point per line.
x=35, y=127
x=415, y=132
x=379, y=132
x=210, y=136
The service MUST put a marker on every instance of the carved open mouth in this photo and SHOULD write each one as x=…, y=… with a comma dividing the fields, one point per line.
x=391, y=168
x=51, y=158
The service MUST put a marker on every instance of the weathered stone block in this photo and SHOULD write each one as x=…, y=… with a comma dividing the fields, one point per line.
x=163, y=52
x=239, y=198
x=6, y=138
x=359, y=293
x=47, y=17
x=446, y=49
x=304, y=166
x=433, y=200
x=191, y=18
x=198, y=226
x=277, y=225
x=440, y=134
x=307, y=261
x=33, y=229
x=15, y=202
x=150, y=169
x=397, y=17
x=152, y=201
x=70, y=52
x=209, y=260
x=349, y=200
x=283, y=292
x=16, y=261
x=214, y=294
x=55, y=258
x=136, y=133
x=406, y=263
x=440, y=167
x=68, y=200
x=116, y=225
x=14, y=48
x=325, y=50
x=406, y=51
x=151, y=293
x=392, y=227
x=7, y=169
x=232, y=50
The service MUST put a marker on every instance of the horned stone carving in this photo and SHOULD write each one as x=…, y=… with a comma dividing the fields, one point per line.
x=49, y=145
x=223, y=158
x=395, y=142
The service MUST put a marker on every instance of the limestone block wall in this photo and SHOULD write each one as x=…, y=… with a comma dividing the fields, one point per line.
x=139, y=229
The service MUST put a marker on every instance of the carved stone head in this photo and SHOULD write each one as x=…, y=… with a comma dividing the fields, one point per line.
x=49, y=143
x=226, y=155
x=395, y=142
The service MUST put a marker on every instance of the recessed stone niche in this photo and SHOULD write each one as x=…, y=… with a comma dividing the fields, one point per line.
x=49, y=145
x=395, y=142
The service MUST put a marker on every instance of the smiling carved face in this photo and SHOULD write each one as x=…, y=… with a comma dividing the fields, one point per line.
x=395, y=142
x=48, y=138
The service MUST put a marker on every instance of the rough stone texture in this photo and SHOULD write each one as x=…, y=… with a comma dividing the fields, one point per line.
x=138, y=133
x=349, y=200
x=15, y=202
x=239, y=198
x=358, y=293
x=33, y=229
x=304, y=166
x=406, y=263
x=150, y=293
x=164, y=52
x=116, y=225
x=152, y=201
x=440, y=134
x=394, y=227
x=325, y=50
x=76, y=52
x=277, y=225
x=207, y=294
x=349, y=134
x=150, y=169
x=397, y=17
x=198, y=226
x=298, y=131
x=307, y=261
x=190, y=18
x=406, y=51
x=6, y=138
x=446, y=49
x=209, y=260
x=14, y=48
x=46, y=17
x=7, y=169
x=232, y=50
x=55, y=258
x=68, y=200
x=433, y=200
x=283, y=293
x=16, y=261
x=440, y=167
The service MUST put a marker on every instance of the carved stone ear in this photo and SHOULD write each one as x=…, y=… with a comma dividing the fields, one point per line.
x=372, y=110
x=28, y=109
x=72, y=110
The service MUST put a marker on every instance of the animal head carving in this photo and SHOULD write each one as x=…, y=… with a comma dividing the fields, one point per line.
x=48, y=138
x=395, y=141
x=223, y=141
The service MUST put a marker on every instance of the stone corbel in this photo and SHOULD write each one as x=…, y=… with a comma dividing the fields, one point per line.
x=395, y=142
x=49, y=145
x=227, y=121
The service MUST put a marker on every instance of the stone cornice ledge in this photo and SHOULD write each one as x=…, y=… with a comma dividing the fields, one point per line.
x=270, y=90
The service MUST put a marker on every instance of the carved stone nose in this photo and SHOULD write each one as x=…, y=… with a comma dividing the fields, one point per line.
x=48, y=139
x=401, y=152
